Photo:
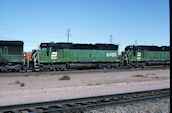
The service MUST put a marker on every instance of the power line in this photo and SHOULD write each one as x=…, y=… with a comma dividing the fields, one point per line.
x=135, y=42
x=33, y=33
x=2, y=37
x=110, y=39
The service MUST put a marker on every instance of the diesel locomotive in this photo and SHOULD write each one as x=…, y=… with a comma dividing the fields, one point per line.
x=11, y=56
x=63, y=56
x=140, y=56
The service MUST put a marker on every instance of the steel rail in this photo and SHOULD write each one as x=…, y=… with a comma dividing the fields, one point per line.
x=78, y=71
x=82, y=103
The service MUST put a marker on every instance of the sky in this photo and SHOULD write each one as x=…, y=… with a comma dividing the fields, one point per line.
x=139, y=22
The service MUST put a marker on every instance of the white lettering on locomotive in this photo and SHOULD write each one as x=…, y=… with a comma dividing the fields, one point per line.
x=110, y=54
x=54, y=55
x=138, y=55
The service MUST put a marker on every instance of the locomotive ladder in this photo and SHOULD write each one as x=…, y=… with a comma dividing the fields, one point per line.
x=35, y=58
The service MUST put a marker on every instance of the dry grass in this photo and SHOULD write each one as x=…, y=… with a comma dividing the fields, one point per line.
x=19, y=83
x=65, y=77
x=151, y=74
x=98, y=83
x=138, y=75
x=22, y=84
x=91, y=84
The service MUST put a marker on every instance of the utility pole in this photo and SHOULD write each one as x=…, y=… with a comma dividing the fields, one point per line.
x=111, y=38
x=68, y=34
x=135, y=43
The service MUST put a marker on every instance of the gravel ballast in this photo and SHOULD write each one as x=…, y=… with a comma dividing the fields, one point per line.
x=159, y=105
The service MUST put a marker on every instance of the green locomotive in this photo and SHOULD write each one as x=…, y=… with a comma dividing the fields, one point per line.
x=11, y=55
x=61, y=56
x=140, y=56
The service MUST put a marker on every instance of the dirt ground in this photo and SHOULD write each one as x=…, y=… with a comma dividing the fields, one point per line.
x=27, y=89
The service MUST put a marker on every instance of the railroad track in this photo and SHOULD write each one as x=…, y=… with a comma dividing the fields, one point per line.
x=79, y=104
x=79, y=71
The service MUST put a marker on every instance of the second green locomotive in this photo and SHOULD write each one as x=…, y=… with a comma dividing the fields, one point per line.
x=140, y=56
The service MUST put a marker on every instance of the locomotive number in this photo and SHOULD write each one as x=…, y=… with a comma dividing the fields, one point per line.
x=54, y=55
x=110, y=54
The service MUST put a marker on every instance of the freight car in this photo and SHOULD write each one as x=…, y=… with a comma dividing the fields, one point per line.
x=141, y=55
x=11, y=56
x=62, y=56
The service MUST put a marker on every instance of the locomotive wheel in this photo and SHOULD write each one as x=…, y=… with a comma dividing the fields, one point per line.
x=57, y=69
x=109, y=66
x=2, y=70
x=25, y=69
x=42, y=69
x=135, y=66
x=100, y=66
x=63, y=68
x=17, y=70
x=53, y=69
x=47, y=69
x=5, y=70
x=143, y=64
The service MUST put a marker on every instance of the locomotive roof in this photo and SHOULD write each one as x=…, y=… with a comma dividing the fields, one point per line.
x=11, y=43
x=149, y=48
x=61, y=45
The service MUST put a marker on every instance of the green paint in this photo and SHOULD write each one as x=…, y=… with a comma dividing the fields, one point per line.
x=78, y=55
x=148, y=55
x=11, y=57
